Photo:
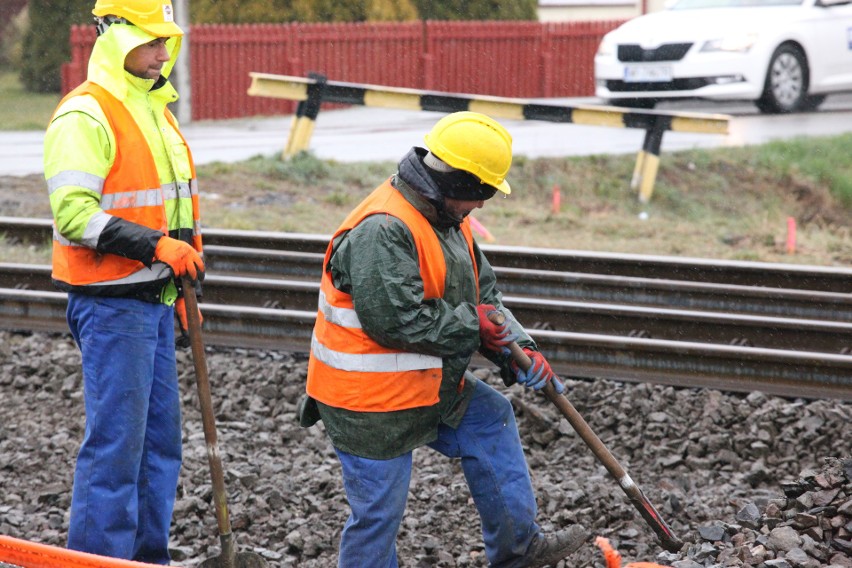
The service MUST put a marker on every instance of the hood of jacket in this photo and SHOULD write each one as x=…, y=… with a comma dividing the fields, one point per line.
x=106, y=65
x=415, y=174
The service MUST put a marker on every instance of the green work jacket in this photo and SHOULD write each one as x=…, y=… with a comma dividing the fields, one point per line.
x=447, y=327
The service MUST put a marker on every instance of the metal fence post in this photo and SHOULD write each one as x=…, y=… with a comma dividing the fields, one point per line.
x=182, y=73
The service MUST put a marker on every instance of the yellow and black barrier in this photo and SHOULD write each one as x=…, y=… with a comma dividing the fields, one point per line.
x=315, y=90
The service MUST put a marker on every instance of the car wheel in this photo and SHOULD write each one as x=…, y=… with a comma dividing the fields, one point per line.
x=634, y=103
x=786, y=85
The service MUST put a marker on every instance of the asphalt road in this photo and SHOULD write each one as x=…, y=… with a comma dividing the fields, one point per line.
x=370, y=134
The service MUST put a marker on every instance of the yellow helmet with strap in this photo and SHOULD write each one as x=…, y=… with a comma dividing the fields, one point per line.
x=156, y=17
x=475, y=143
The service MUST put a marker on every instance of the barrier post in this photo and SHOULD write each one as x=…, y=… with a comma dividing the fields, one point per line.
x=647, y=163
x=302, y=127
x=316, y=89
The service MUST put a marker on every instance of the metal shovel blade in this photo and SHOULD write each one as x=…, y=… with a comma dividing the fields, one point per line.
x=230, y=558
x=240, y=560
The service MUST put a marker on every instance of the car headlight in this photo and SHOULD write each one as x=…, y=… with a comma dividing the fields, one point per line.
x=606, y=48
x=737, y=43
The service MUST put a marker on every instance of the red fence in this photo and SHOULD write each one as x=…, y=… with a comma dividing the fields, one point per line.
x=506, y=59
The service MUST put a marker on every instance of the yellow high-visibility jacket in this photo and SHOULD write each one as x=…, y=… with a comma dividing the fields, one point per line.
x=120, y=176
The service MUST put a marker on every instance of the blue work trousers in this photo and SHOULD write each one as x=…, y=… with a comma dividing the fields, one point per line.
x=495, y=469
x=127, y=469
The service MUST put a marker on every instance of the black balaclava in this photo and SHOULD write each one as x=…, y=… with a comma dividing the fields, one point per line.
x=456, y=184
x=434, y=185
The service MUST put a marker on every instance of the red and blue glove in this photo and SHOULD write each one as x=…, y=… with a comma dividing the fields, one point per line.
x=539, y=374
x=492, y=336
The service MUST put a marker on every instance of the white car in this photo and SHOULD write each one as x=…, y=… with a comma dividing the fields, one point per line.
x=784, y=55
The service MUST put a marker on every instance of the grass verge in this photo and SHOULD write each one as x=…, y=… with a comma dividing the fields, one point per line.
x=728, y=203
x=20, y=110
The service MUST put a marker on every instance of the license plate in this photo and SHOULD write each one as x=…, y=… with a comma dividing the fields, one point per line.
x=647, y=73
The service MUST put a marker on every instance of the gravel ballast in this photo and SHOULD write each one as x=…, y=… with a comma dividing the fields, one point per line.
x=743, y=479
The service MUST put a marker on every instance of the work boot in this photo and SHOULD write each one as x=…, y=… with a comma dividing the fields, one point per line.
x=547, y=550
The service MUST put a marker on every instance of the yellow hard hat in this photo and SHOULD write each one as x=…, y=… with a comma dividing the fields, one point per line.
x=157, y=17
x=475, y=143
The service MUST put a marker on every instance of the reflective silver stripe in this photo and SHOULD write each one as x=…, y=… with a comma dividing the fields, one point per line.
x=174, y=191
x=169, y=191
x=373, y=363
x=184, y=190
x=95, y=228
x=90, y=235
x=193, y=187
x=345, y=317
x=76, y=178
x=131, y=199
x=158, y=271
x=196, y=229
x=62, y=240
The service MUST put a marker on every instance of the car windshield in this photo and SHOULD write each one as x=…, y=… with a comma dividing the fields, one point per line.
x=697, y=4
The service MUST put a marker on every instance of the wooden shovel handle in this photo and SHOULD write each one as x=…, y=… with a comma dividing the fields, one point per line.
x=669, y=541
x=208, y=419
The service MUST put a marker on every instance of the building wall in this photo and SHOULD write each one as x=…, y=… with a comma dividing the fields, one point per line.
x=585, y=12
x=590, y=10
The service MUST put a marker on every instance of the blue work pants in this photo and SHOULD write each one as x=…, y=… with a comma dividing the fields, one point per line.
x=494, y=467
x=128, y=465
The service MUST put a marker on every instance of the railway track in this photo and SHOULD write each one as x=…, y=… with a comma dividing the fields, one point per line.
x=783, y=329
x=537, y=312
x=245, y=244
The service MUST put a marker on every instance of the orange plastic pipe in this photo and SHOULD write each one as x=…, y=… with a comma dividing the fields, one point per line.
x=613, y=558
x=35, y=555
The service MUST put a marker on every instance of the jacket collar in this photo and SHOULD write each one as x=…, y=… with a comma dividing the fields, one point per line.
x=106, y=65
x=414, y=182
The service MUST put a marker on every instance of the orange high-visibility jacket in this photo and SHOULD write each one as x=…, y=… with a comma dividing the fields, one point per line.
x=131, y=191
x=347, y=369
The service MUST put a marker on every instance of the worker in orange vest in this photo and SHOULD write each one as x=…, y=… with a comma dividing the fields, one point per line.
x=404, y=302
x=123, y=193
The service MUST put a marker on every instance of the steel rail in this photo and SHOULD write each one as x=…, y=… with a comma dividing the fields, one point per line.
x=571, y=286
x=757, y=300
x=728, y=272
x=576, y=355
x=733, y=298
x=687, y=269
x=542, y=313
x=253, y=262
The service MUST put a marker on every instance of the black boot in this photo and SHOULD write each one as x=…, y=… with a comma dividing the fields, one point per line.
x=547, y=550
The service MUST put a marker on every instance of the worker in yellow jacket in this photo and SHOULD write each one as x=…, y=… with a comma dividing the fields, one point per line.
x=124, y=198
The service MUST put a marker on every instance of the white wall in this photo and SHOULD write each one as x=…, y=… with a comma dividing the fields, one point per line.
x=585, y=10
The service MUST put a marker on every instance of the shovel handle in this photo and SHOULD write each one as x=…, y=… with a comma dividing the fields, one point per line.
x=220, y=498
x=667, y=538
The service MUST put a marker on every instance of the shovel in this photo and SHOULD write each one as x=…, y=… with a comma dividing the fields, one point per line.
x=667, y=538
x=229, y=558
